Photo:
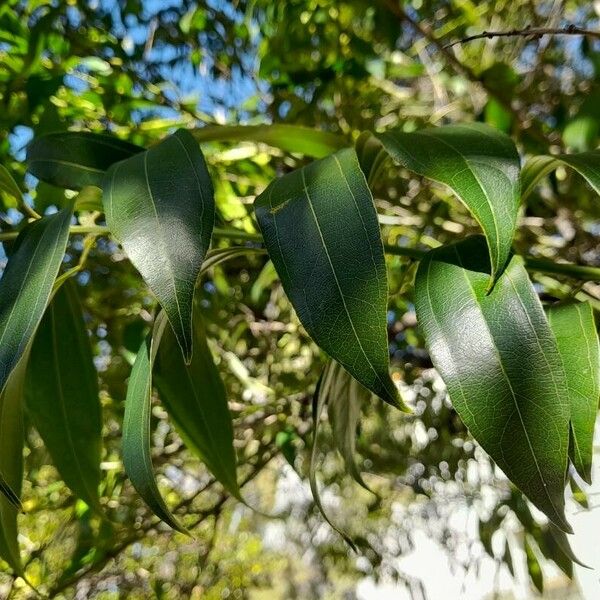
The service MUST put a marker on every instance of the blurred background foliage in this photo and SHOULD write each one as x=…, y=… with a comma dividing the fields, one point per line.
x=141, y=68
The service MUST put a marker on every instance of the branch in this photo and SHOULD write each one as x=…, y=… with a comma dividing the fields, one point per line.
x=534, y=33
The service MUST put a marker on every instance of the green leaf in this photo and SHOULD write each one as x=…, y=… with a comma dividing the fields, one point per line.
x=321, y=231
x=74, y=159
x=575, y=331
x=27, y=282
x=195, y=398
x=500, y=362
x=290, y=138
x=137, y=457
x=533, y=566
x=62, y=394
x=160, y=206
x=9, y=185
x=479, y=164
x=11, y=461
x=587, y=164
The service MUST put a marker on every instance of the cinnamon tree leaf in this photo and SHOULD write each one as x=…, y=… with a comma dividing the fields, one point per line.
x=501, y=365
x=62, y=394
x=74, y=159
x=320, y=228
x=479, y=164
x=575, y=330
x=160, y=206
x=27, y=282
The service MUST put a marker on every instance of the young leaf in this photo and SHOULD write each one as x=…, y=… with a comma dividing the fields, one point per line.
x=479, y=164
x=11, y=462
x=27, y=282
x=499, y=359
x=137, y=458
x=320, y=228
x=9, y=185
x=62, y=394
x=74, y=159
x=575, y=331
x=160, y=206
x=194, y=396
x=587, y=164
x=290, y=138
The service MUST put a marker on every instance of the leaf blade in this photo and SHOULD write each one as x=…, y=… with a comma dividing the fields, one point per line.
x=143, y=204
x=479, y=164
x=499, y=360
x=299, y=218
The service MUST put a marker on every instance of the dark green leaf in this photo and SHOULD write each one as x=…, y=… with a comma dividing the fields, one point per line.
x=575, y=331
x=291, y=138
x=74, y=159
x=160, y=206
x=499, y=359
x=320, y=228
x=479, y=164
x=27, y=283
x=62, y=394
x=195, y=398
x=587, y=164
x=137, y=457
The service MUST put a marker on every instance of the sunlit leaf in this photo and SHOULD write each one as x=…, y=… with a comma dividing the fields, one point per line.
x=479, y=164
x=500, y=361
x=320, y=228
x=9, y=185
x=159, y=204
x=74, y=159
x=62, y=394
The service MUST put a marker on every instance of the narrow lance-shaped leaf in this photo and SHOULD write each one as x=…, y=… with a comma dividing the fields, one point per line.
x=137, y=457
x=195, y=398
x=9, y=185
x=575, y=331
x=160, y=206
x=587, y=164
x=74, y=159
x=11, y=462
x=27, y=282
x=62, y=394
x=321, y=231
x=479, y=164
x=500, y=361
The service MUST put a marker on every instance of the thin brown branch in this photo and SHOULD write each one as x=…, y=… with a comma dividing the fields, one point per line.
x=533, y=33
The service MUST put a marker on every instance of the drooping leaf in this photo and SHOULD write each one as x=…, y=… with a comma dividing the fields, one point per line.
x=27, y=282
x=159, y=204
x=534, y=567
x=290, y=138
x=575, y=331
x=137, y=457
x=320, y=228
x=479, y=164
x=11, y=461
x=501, y=365
x=62, y=394
x=195, y=398
x=74, y=159
x=9, y=185
x=587, y=164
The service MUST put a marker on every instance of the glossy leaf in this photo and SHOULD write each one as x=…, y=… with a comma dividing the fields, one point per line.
x=27, y=282
x=479, y=164
x=62, y=394
x=74, y=159
x=195, y=398
x=160, y=206
x=137, y=457
x=575, y=331
x=500, y=362
x=11, y=461
x=290, y=138
x=320, y=228
x=587, y=164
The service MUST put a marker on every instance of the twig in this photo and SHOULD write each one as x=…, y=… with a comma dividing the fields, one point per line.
x=534, y=33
